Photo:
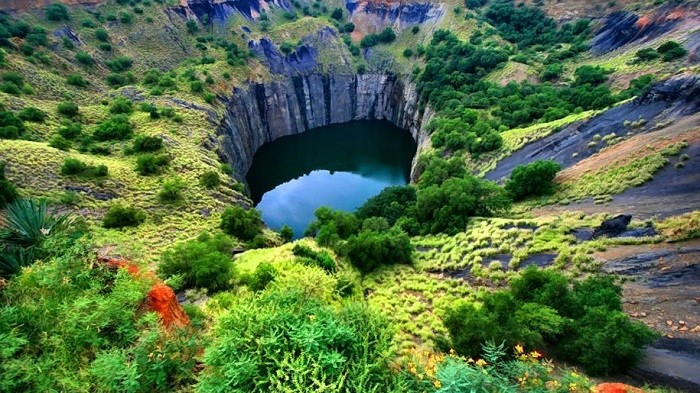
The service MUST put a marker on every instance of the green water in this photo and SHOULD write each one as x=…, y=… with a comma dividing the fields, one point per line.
x=340, y=166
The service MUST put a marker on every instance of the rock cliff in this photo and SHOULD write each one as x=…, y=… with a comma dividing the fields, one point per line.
x=264, y=112
x=23, y=5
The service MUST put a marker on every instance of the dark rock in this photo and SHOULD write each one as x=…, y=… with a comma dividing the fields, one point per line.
x=612, y=227
x=582, y=234
x=100, y=196
x=539, y=260
x=219, y=12
x=529, y=227
x=679, y=96
x=623, y=27
x=390, y=12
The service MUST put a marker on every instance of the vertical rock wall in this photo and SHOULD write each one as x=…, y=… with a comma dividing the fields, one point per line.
x=264, y=112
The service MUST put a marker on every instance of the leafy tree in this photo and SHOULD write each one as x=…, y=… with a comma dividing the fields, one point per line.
x=331, y=226
x=120, y=216
x=201, y=263
x=286, y=233
x=241, y=223
x=146, y=144
x=392, y=203
x=84, y=58
x=68, y=109
x=448, y=207
x=210, y=179
x=8, y=192
x=76, y=80
x=593, y=75
x=369, y=249
x=387, y=35
x=57, y=12
x=151, y=164
x=101, y=34
x=533, y=179
x=337, y=13
x=552, y=72
x=647, y=54
x=32, y=114
x=117, y=127
x=120, y=64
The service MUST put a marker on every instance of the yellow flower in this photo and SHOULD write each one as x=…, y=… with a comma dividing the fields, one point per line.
x=437, y=383
x=535, y=355
x=519, y=348
x=481, y=362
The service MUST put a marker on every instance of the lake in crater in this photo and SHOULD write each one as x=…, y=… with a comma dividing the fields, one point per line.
x=339, y=166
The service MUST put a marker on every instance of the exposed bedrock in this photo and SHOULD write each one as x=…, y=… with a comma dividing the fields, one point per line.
x=667, y=100
x=264, y=112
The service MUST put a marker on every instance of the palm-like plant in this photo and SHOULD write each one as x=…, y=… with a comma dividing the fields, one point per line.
x=26, y=223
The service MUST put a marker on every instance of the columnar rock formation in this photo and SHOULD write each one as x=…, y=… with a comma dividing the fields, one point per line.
x=264, y=112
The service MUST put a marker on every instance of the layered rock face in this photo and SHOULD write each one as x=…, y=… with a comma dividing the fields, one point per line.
x=264, y=112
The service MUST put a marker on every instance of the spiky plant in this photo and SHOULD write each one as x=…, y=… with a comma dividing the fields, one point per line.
x=27, y=222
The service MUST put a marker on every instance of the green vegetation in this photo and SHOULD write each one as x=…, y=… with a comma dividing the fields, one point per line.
x=201, y=263
x=8, y=191
x=210, y=179
x=120, y=216
x=150, y=164
x=171, y=192
x=117, y=127
x=74, y=167
x=585, y=323
x=241, y=223
x=533, y=179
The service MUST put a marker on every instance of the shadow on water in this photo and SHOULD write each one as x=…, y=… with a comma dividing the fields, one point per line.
x=339, y=166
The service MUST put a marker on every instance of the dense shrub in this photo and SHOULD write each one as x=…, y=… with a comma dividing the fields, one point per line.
x=265, y=339
x=60, y=143
x=392, y=203
x=171, y=191
x=261, y=277
x=369, y=249
x=84, y=58
x=8, y=192
x=70, y=130
x=32, y=114
x=331, y=226
x=314, y=258
x=67, y=109
x=201, y=263
x=116, y=127
x=533, y=179
x=76, y=80
x=647, y=54
x=120, y=216
x=671, y=50
x=209, y=179
x=120, y=64
x=241, y=223
x=447, y=208
x=584, y=323
x=11, y=126
x=552, y=72
x=101, y=34
x=151, y=164
x=337, y=13
x=57, y=12
x=593, y=75
x=75, y=167
x=146, y=144
x=286, y=233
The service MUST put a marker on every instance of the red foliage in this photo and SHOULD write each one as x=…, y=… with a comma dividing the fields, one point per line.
x=616, y=388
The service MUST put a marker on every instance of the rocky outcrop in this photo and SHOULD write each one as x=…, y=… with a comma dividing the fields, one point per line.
x=613, y=226
x=371, y=16
x=264, y=112
x=218, y=11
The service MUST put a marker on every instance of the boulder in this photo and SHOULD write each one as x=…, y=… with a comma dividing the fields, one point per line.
x=613, y=227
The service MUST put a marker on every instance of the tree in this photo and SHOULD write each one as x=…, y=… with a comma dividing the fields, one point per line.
x=286, y=233
x=241, y=223
x=369, y=250
x=337, y=13
x=533, y=179
x=57, y=12
x=593, y=75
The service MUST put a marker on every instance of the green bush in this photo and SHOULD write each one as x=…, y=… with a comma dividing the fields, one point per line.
x=337, y=13
x=8, y=192
x=171, y=191
x=60, y=143
x=392, y=203
x=533, y=179
x=151, y=164
x=11, y=126
x=263, y=275
x=75, y=167
x=120, y=216
x=286, y=340
x=117, y=127
x=32, y=114
x=286, y=233
x=68, y=109
x=101, y=34
x=84, y=58
x=146, y=144
x=70, y=130
x=76, y=80
x=209, y=179
x=201, y=263
x=369, y=250
x=331, y=226
x=314, y=258
x=584, y=324
x=241, y=223
x=647, y=54
x=120, y=64
x=57, y=12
